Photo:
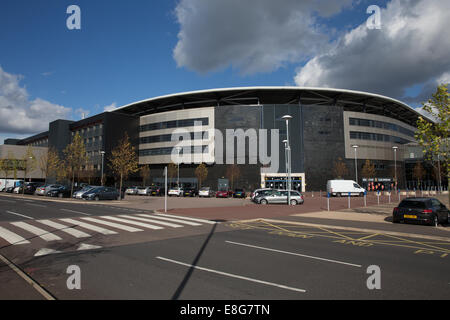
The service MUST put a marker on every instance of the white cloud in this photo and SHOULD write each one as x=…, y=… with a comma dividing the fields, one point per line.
x=111, y=107
x=252, y=36
x=19, y=114
x=411, y=48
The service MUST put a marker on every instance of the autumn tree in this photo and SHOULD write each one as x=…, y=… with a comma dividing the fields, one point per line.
x=172, y=169
x=75, y=157
x=368, y=170
x=340, y=170
x=201, y=172
x=29, y=164
x=144, y=172
x=51, y=163
x=233, y=172
x=124, y=160
x=433, y=136
x=418, y=172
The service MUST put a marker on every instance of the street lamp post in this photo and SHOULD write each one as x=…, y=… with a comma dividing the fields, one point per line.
x=356, y=163
x=103, y=162
x=287, y=118
x=285, y=159
x=395, y=167
x=178, y=169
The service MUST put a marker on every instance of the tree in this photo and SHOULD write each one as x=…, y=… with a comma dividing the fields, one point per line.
x=233, y=172
x=144, y=172
x=124, y=160
x=172, y=171
x=340, y=169
x=368, y=170
x=418, y=172
x=75, y=157
x=433, y=136
x=201, y=172
x=29, y=161
x=53, y=163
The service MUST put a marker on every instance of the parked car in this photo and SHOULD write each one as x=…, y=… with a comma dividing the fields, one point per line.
x=143, y=191
x=206, y=192
x=175, y=192
x=59, y=191
x=341, y=188
x=40, y=191
x=132, y=190
x=10, y=189
x=79, y=194
x=158, y=191
x=102, y=193
x=239, y=193
x=281, y=196
x=191, y=192
x=224, y=193
x=31, y=187
x=423, y=210
x=259, y=193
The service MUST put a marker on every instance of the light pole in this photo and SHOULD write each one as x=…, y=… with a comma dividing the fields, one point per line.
x=356, y=163
x=103, y=161
x=285, y=159
x=178, y=162
x=395, y=167
x=287, y=118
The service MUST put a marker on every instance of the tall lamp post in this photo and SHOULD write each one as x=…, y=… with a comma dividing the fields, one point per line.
x=178, y=170
x=103, y=162
x=356, y=163
x=285, y=160
x=395, y=167
x=288, y=149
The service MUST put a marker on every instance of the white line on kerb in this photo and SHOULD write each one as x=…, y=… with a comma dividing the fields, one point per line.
x=21, y=215
x=233, y=275
x=294, y=254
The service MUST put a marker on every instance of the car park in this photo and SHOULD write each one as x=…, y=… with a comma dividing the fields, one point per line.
x=79, y=194
x=143, y=191
x=206, y=192
x=224, y=193
x=175, y=192
x=40, y=191
x=190, y=192
x=131, y=190
x=239, y=193
x=102, y=193
x=30, y=188
x=421, y=210
x=59, y=191
x=281, y=196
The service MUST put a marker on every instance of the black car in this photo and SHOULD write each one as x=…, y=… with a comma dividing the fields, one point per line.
x=424, y=210
x=239, y=193
x=9, y=189
x=31, y=187
x=191, y=192
x=102, y=193
x=59, y=191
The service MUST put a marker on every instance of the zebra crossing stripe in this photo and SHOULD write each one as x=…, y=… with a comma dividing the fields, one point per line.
x=67, y=229
x=89, y=226
x=168, y=224
x=169, y=219
x=43, y=234
x=112, y=224
x=141, y=224
x=11, y=237
x=187, y=218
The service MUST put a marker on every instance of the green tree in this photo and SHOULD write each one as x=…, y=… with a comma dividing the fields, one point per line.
x=75, y=157
x=201, y=172
x=433, y=136
x=124, y=160
x=368, y=170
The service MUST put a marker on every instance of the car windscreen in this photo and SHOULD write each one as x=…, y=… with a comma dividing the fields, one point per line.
x=413, y=204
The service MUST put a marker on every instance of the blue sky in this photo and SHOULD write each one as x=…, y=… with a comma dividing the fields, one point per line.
x=124, y=52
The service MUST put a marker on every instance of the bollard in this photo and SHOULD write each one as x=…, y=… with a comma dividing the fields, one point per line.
x=365, y=199
x=398, y=192
x=389, y=197
x=349, y=195
x=328, y=201
x=378, y=197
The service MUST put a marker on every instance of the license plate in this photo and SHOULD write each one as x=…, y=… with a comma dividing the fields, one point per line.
x=408, y=216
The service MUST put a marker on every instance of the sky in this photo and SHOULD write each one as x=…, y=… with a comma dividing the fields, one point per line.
x=128, y=51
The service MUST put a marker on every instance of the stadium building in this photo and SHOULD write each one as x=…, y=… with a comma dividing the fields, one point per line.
x=326, y=126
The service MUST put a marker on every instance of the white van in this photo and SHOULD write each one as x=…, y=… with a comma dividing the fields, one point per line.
x=6, y=183
x=341, y=188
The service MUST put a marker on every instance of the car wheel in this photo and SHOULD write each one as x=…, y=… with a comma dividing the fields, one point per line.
x=96, y=198
x=435, y=221
x=293, y=202
x=263, y=201
x=60, y=195
x=395, y=220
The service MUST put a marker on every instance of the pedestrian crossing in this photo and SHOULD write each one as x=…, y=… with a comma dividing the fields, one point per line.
x=20, y=233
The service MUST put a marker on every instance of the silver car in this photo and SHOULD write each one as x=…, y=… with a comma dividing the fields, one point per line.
x=79, y=194
x=281, y=196
x=132, y=190
x=144, y=191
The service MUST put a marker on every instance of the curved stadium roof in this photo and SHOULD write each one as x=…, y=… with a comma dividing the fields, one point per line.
x=351, y=100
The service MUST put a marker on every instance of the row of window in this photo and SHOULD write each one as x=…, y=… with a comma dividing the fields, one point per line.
x=377, y=137
x=171, y=150
x=40, y=143
x=174, y=137
x=381, y=125
x=174, y=124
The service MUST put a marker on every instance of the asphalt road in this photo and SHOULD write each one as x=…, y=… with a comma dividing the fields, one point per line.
x=208, y=261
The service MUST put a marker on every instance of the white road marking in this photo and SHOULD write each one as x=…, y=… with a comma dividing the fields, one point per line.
x=294, y=254
x=72, y=211
x=89, y=226
x=45, y=251
x=112, y=224
x=84, y=246
x=187, y=218
x=43, y=234
x=168, y=224
x=11, y=237
x=169, y=219
x=136, y=223
x=36, y=205
x=20, y=215
x=63, y=228
x=233, y=275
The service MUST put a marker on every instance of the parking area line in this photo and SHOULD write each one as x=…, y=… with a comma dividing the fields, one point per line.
x=294, y=254
x=20, y=215
x=233, y=275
